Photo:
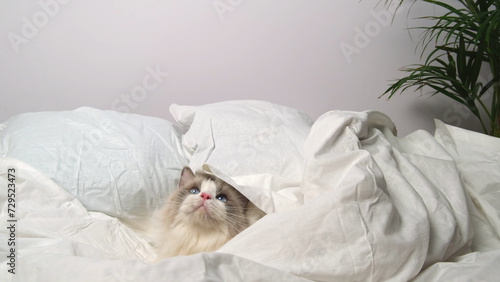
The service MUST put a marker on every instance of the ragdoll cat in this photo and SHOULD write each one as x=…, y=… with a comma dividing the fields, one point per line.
x=201, y=216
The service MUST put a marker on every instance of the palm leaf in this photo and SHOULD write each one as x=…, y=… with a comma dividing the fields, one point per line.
x=454, y=51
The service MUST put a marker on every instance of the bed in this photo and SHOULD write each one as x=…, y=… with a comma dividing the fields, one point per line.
x=346, y=199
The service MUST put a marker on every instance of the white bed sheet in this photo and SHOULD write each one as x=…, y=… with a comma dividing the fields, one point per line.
x=365, y=206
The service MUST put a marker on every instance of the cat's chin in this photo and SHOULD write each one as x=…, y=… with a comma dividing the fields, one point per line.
x=201, y=217
x=202, y=220
x=201, y=209
x=204, y=212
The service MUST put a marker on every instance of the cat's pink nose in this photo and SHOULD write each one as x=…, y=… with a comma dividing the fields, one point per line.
x=205, y=196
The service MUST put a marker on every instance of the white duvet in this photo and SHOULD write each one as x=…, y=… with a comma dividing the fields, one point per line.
x=346, y=199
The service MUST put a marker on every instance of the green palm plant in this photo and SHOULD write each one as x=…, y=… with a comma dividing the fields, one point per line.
x=461, y=43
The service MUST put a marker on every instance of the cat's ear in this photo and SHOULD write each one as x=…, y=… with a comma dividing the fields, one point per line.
x=187, y=175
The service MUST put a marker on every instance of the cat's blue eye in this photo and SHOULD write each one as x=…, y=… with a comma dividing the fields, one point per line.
x=194, y=191
x=222, y=198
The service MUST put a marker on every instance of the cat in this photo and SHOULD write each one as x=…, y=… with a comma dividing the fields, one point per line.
x=201, y=215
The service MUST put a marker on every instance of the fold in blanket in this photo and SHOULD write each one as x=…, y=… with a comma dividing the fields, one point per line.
x=367, y=210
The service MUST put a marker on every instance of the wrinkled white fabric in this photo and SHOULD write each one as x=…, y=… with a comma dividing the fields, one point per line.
x=56, y=239
x=364, y=211
x=363, y=205
x=119, y=164
x=244, y=137
x=477, y=157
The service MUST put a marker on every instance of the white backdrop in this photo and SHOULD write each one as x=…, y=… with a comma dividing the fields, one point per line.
x=142, y=56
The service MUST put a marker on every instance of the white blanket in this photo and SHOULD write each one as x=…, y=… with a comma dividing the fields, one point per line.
x=346, y=201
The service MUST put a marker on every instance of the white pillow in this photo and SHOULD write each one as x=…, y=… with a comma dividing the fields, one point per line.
x=244, y=137
x=119, y=164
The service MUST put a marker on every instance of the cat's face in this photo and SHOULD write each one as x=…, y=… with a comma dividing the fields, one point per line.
x=208, y=202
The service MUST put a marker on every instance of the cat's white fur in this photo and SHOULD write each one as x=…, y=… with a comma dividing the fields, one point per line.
x=185, y=239
x=188, y=223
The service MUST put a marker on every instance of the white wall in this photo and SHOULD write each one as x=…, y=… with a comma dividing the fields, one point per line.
x=315, y=56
